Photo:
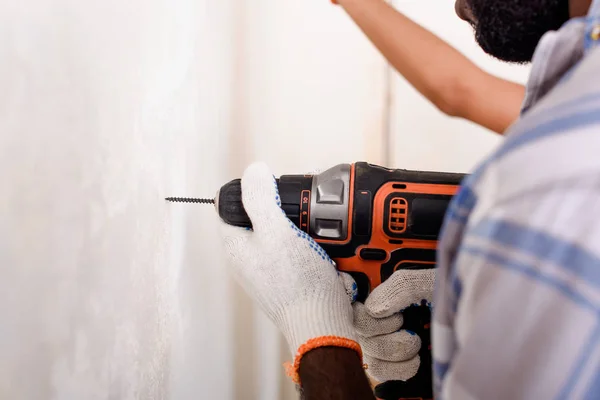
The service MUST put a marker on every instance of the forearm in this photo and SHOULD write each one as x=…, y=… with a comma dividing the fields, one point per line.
x=413, y=51
x=333, y=373
x=438, y=71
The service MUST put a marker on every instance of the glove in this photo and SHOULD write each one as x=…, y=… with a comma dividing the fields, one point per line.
x=390, y=352
x=287, y=273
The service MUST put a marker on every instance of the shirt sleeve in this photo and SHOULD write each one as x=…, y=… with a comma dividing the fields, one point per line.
x=517, y=306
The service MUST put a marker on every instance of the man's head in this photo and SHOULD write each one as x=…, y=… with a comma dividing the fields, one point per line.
x=511, y=29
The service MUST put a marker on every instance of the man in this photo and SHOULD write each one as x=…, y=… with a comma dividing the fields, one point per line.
x=517, y=301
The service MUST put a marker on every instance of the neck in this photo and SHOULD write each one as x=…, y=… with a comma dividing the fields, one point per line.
x=579, y=8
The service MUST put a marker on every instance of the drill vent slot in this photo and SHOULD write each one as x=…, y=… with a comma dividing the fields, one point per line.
x=398, y=215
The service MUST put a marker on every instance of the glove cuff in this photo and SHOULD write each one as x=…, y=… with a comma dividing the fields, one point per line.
x=319, y=323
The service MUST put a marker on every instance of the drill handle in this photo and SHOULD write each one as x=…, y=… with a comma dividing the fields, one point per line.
x=420, y=386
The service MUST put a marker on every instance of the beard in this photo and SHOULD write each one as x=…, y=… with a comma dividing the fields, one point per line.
x=511, y=29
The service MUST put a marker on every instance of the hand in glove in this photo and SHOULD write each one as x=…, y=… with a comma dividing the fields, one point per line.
x=287, y=272
x=390, y=351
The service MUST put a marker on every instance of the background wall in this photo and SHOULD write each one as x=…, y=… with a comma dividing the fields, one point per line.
x=106, y=291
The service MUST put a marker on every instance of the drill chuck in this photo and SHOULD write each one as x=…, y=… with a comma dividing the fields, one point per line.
x=228, y=202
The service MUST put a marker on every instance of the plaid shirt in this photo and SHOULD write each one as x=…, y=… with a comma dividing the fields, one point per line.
x=517, y=300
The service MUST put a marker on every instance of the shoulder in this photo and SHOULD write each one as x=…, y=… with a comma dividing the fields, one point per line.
x=556, y=144
x=546, y=174
x=542, y=177
x=538, y=194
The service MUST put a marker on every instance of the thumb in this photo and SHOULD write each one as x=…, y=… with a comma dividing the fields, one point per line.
x=349, y=285
x=260, y=196
x=403, y=289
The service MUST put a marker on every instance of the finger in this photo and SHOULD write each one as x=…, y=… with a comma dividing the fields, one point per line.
x=350, y=286
x=260, y=197
x=398, y=346
x=382, y=371
x=403, y=289
x=240, y=254
x=235, y=240
x=368, y=326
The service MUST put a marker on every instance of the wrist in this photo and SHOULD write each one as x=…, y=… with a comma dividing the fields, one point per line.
x=319, y=343
x=317, y=323
x=334, y=373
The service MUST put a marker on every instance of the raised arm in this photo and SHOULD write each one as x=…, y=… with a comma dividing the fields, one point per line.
x=439, y=72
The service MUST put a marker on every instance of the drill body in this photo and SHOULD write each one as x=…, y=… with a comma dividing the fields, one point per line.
x=370, y=220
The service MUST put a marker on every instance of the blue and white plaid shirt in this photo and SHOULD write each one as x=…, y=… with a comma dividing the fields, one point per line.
x=517, y=301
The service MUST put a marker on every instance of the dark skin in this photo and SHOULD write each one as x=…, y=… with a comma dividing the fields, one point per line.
x=579, y=8
x=333, y=373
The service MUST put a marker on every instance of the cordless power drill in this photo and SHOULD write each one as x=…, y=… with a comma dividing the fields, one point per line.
x=372, y=221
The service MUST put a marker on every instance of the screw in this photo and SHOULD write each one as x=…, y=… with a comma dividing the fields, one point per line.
x=190, y=200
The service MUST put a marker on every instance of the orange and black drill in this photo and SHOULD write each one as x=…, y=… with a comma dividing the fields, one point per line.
x=372, y=221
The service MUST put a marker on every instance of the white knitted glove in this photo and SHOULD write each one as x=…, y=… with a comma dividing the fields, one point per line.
x=390, y=352
x=284, y=270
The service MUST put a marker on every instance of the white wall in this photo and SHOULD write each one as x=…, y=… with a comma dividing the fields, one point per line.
x=94, y=124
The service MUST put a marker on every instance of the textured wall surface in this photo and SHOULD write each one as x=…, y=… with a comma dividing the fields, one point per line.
x=94, y=124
